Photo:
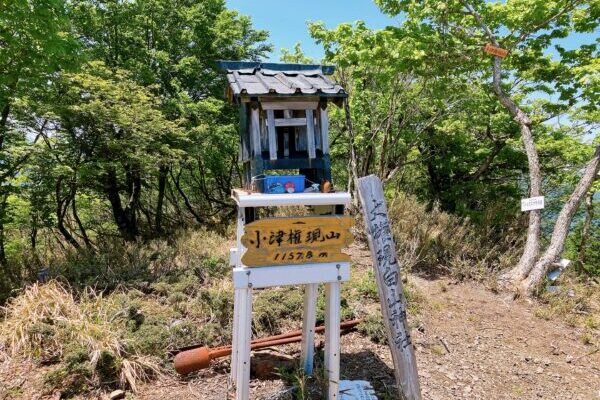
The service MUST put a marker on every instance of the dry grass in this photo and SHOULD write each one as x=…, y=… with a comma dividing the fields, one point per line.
x=154, y=297
x=45, y=321
x=435, y=242
x=148, y=298
x=577, y=302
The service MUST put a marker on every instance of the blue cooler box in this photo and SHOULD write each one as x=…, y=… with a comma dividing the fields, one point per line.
x=277, y=184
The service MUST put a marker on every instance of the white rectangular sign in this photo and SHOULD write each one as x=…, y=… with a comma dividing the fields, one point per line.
x=532, y=203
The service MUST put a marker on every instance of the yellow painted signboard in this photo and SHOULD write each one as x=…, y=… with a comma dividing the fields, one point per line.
x=302, y=240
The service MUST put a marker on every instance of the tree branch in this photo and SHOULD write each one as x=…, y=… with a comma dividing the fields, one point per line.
x=488, y=32
x=569, y=6
x=506, y=101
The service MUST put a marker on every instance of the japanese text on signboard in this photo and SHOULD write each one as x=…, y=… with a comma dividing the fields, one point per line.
x=387, y=264
x=279, y=241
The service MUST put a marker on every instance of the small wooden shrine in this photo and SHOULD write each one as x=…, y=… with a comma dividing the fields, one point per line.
x=284, y=123
x=284, y=126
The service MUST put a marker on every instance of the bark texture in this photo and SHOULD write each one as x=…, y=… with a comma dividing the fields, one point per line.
x=162, y=182
x=587, y=225
x=125, y=218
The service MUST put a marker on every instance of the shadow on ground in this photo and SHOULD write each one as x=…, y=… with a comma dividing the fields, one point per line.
x=368, y=366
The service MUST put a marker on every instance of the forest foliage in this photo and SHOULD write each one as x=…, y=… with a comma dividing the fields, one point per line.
x=114, y=127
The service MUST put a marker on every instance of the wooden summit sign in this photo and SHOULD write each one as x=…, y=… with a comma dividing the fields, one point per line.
x=387, y=273
x=302, y=240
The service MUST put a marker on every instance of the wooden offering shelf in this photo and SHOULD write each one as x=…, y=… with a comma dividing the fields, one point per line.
x=245, y=198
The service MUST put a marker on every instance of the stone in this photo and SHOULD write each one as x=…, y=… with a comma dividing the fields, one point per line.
x=116, y=394
x=569, y=359
x=265, y=364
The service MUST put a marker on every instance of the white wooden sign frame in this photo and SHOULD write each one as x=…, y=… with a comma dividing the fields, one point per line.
x=310, y=275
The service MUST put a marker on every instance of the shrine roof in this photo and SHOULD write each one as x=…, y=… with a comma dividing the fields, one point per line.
x=274, y=79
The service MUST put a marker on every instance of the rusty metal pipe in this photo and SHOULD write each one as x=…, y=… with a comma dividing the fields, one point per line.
x=198, y=358
x=318, y=329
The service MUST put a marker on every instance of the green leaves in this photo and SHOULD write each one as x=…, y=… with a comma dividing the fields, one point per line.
x=296, y=57
x=533, y=30
x=111, y=119
x=35, y=42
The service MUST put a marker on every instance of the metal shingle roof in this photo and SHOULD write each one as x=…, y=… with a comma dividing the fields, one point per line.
x=281, y=79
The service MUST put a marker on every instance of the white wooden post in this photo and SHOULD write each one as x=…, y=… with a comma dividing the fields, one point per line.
x=327, y=346
x=389, y=281
x=310, y=134
x=235, y=347
x=286, y=136
x=242, y=386
x=308, y=327
x=239, y=231
x=255, y=132
x=332, y=338
x=324, y=130
x=272, y=134
x=237, y=301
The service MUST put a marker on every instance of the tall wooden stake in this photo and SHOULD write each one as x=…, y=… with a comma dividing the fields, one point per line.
x=389, y=283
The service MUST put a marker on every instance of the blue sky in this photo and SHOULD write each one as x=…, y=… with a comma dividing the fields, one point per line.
x=286, y=20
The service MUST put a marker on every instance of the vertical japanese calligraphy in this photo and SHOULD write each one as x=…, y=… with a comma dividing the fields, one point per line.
x=387, y=273
x=283, y=241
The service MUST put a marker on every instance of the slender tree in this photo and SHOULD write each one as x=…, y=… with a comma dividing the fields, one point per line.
x=527, y=29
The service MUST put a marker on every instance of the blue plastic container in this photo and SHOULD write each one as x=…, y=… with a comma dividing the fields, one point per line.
x=278, y=184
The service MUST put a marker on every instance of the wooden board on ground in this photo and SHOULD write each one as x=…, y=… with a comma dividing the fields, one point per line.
x=389, y=281
x=290, y=241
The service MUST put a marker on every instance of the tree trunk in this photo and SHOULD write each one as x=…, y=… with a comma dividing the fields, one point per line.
x=3, y=122
x=186, y=200
x=127, y=227
x=532, y=245
x=84, y=235
x=162, y=182
x=368, y=158
x=33, y=238
x=587, y=225
x=6, y=110
x=2, y=216
x=563, y=223
x=62, y=204
x=383, y=164
x=353, y=180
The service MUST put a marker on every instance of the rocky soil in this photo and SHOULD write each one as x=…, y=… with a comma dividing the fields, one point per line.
x=471, y=344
